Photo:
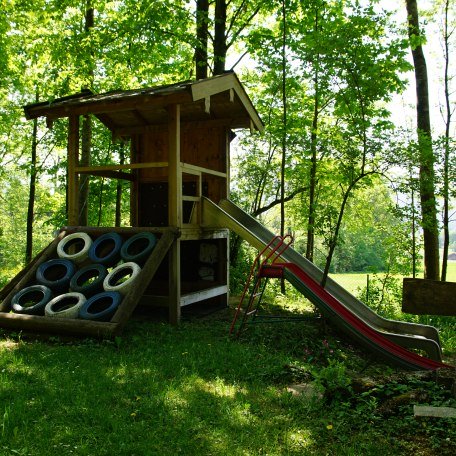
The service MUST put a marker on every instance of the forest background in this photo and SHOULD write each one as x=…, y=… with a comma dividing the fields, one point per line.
x=334, y=166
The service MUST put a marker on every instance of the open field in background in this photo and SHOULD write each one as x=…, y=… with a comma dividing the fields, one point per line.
x=354, y=281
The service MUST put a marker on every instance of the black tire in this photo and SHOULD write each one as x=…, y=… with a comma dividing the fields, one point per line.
x=31, y=300
x=105, y=249
x=81, y=241
x=138, y=248
x=101, y=307
x=56, y=274
x=80, y=281
x=65, y=305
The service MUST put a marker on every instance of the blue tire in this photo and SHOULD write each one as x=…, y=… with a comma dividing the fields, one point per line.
x=89, y=280
x=138, y=248
x=31, y=300
x=101, y=307
x=56, y=274
x=105, y=249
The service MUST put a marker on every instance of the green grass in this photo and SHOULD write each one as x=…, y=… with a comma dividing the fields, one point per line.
x=191, y=390
x=391, y=306
x=354, y=281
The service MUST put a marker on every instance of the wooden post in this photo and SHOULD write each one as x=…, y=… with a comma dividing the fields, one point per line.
x=73, y=158
x=174, y=169
x=174, y=210
x=134, y=186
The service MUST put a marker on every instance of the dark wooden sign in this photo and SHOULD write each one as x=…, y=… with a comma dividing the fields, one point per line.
x=428, y=297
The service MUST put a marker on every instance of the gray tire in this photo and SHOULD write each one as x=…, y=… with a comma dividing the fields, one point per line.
x=118, y=280
x=65, y=305
x=81, y=242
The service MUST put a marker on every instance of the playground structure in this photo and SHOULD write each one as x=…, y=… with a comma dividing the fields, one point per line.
x=179, y=151
x=178, y=171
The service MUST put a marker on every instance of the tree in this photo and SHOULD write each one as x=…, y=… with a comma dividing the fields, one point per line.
x=202, y=36
x=448, y=148
x=228, y=21
x=426, y=154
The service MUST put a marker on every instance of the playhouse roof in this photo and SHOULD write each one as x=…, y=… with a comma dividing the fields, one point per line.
x=220, y=98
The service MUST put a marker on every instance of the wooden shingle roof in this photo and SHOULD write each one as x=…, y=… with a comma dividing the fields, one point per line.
x=218, y=98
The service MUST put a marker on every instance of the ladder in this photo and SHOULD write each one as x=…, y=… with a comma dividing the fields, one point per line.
x=261, y=270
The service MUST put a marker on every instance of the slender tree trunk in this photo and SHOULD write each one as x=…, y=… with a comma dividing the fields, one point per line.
x=202, y=17
x=335, y=236
x=414, y=256
x=313, y=167
x=86, y=131
x=32, y=191
x=284, y=133
x=220, y=47
x=446, y=158
x=427, y=178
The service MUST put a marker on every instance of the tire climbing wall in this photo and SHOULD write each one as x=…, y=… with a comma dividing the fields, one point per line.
x=87, y=282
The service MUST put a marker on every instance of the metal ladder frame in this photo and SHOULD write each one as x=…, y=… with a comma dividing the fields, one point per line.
x=258, y=271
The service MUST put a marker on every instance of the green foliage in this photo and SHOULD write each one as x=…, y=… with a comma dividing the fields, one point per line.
x=383, y=293
x=332, y=379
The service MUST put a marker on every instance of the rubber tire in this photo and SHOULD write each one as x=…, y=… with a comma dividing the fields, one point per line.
x=53, y=306
x=134, y=249
x=61, y=283
x=91, y=308
x=119, y=272
x=92, y=270
x=80, y=256
x=99, y=245
x=38, y=307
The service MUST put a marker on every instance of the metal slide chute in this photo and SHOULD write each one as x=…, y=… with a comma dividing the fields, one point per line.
x=389, y=337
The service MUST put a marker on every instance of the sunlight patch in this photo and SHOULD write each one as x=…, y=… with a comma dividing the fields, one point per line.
x=299, y=439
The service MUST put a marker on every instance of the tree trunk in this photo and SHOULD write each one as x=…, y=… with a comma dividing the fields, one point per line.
x=202, y=16
x=32, y=191
x=335, y=236
x=446, y=158
x=220, y=47
x=284, y=132
x=426, y=155
x=313, y=160
x=86, y=131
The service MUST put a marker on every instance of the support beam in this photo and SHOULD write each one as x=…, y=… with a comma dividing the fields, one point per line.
x=174, y=172
x=174, y=210
x=174, y=280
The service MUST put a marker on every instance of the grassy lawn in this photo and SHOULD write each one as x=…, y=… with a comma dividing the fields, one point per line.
x=354, y=281
x=192, y=390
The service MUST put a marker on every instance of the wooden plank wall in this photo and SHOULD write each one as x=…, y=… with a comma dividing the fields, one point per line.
x=428, y=297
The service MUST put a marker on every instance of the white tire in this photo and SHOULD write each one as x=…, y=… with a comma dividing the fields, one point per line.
x=75, y=239
x=65, y=305
x=114, y=280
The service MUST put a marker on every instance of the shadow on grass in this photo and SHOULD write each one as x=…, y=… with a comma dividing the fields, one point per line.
x=160, y=390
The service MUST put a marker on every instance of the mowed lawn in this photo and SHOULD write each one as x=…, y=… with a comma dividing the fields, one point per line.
x=356, y=281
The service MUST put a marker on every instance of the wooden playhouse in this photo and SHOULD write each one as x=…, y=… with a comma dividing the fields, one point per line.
x=180, y=138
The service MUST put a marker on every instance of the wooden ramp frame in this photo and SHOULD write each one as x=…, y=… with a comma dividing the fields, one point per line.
x=75, y=327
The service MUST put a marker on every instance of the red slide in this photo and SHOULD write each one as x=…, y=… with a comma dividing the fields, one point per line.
x=354, y=326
